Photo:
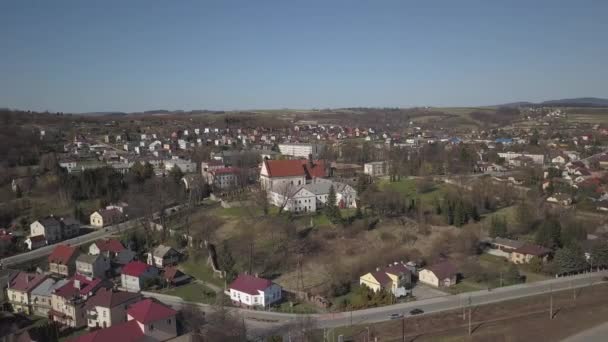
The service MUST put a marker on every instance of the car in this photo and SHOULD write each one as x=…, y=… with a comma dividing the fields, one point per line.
x=395, y=316
x=416, y=312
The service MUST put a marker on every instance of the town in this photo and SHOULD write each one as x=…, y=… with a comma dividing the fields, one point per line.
x=166, y=219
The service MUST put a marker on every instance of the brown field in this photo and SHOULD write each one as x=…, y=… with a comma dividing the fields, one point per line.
x=518, y=320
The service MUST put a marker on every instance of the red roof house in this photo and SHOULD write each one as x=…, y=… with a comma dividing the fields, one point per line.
x=148, y=310
x=297, y=167
x=250, y=284
x=62, y=260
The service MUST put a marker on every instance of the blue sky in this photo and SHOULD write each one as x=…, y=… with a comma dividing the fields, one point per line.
x=80, y=56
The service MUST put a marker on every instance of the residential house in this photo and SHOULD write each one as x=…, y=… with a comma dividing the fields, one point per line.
x=283, y=174
x=301, y=150
x=110, y=248
x=42, y=294
x=442, y=274
x=223, y=178
x=527, y=252
x=313, y=196
x=35, y=242
x=376, y=169
x=135, y=274
x=94, y=266
x=106, y=217
x=62, y=260
x=162, y=256
x=504, y=247
x=68, y=301
x=395, y=278
x=561, y=199
x=54, y=229
x=19, y=290
x=147, y=320
x=172, y=276
x=109, y=307
x=251, y=291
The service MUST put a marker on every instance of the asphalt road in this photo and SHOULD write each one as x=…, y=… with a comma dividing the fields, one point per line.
x=260, y=321
x=77, y=241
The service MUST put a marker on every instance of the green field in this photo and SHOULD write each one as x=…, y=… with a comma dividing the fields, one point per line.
x=201, y=271
x=193, y=292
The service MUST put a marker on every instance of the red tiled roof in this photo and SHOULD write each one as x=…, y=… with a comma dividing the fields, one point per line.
x=250, y=284
x=149, y=310
x=86, y=285
x=62, y=254
x=135, y=268
x=26, y=282
x=109, y=298
x=298, y=167
x=123, y=332
x=110, y=245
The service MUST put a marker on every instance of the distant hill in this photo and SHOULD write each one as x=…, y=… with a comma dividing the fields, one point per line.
x=102, y=113
x=575, y=102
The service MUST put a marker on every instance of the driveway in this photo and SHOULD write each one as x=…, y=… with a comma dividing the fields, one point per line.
x=421, y=291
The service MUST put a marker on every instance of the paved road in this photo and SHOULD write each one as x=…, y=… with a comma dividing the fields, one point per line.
x=77, y=241
x=261, y=320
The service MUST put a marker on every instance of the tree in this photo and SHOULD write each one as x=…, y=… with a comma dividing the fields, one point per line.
x=498, y=226
x=176, y=174
x=331, y=208
x=599, y=255
x=512, y=276
x=570, y=259
x=548, y=234
x=224, y=324
x=226, y=261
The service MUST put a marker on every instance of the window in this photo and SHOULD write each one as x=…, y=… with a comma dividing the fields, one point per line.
x=151, y=326
x=168, y=321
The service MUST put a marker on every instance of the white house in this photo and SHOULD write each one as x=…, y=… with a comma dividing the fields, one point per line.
x=442, y=274
x=135, y=274
x=93, y=266
x=109, y=307
x=248, y=290
x=375, y=169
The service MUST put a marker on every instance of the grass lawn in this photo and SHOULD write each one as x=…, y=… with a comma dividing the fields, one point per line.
x=466, y=286
x=201, y=271
x=405, y=186
x=298, y=308
x=193, y=292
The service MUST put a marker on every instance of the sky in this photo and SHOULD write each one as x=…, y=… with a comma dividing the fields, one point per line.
x=88, y=56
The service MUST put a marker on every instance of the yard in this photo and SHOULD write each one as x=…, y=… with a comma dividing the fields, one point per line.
x=201, y=271
x=193, y=292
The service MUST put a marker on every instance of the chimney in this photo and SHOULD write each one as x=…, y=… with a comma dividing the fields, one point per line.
x=377, y=269
x=77, y=284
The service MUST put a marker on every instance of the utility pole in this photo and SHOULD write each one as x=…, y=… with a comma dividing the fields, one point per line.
x=470, y=330
x=403, y=328
x=501, y=283
x=551, y=302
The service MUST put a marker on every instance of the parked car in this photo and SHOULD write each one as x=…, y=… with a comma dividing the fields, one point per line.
x=395, y=316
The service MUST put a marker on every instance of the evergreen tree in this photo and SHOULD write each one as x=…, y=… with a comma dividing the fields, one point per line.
x=548, y=234
x=226, y=261
x=459, y=214
x=498, y=227
x=331, y=208
x=570, y=259
x=599, y=255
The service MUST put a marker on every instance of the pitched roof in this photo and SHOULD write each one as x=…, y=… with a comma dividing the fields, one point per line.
x=149, y=310
x=49, y=221
x=508, y=242
x=135, y=268
x=79, y=285
x=443, y=270
x=62, y=254
x=162, y=250
x=109, y=245
x=37, y=238
x=109, y=298
x=297, y=167
x=250, y=284
x=172, y=272
x=26, y=282
x=123, y=332
x=88, y=259
x=394, y=269
x=531, y=249
x=46, y=287
x=109, y=214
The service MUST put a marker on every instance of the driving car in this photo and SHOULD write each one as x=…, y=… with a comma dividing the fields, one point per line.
x=416, y=312
x=395, y=316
